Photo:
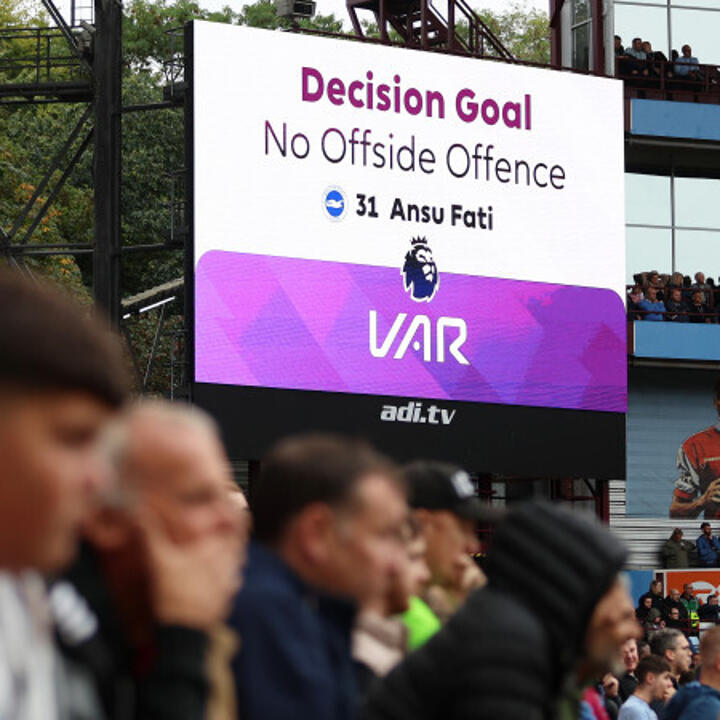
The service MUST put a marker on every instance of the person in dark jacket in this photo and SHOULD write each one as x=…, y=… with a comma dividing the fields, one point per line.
x=673, y=601
x=710, y=611
x=655, y=595
x=328, y=518
x=674, y=550
x=157, y=571
x=552, y=603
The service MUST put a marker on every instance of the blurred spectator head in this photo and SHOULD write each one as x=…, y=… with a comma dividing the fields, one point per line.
x=676, y=295
x=61, y=376
x=711, y=282
x=444, y=502
x=712, y=600
x=687, y=281
x=677, y=536
x=643, y=649
x=672, y=645
x=674, y=613
x=413, y=572
x=706, y=528
x=699, y=276
x=612, y=624
x=687, y=52
x=710, y=650
x=688, y=590
x=647, y=602
x=334, y=510
x=172, y=470
x=637, y=43
x=656, y=587
x=618, y=41
x=654, y=278
x=646, y=46
x=698, y=297
x=651, y=293
x=675, y=595
x=654, y=673
x=674, y=55
x=630, y=655
x=677, y=280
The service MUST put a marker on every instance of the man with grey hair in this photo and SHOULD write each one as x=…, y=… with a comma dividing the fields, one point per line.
x=157, y=571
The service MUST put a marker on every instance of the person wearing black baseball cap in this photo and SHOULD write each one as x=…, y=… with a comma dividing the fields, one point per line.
x=443, y=500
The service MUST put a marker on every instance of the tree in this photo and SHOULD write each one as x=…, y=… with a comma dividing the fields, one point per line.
x=525, y=33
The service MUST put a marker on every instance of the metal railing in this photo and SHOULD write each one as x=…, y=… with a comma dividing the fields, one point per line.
x=662, y=76
x=37, y=55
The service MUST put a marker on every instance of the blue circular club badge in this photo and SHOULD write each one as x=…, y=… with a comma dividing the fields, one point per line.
x=334, y=203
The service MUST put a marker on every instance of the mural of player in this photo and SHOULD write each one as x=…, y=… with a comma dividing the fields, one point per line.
x=697, y=488
x=420, y=271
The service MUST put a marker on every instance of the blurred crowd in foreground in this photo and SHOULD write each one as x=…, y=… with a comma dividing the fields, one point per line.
x=137, y=584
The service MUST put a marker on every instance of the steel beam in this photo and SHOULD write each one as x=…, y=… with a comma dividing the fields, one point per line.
x=107, y=71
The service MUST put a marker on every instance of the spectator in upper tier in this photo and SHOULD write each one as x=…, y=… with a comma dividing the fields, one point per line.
x=621, y=57
x=673, y=620
x=676, y=307
x=674, y=550
x=633, y=300
x=701, y=284
x=638, y=58
x=688, y=599
x=676, y=281
x=673, y=601
x=654, y=682
x=655, y=595
x=652, y=308
x=328, y=517
x=699, y=311
x=687, y=65
x=655, y=58
x=629, y=680
x=643, y=609
x=710, y=611
x=708, y=546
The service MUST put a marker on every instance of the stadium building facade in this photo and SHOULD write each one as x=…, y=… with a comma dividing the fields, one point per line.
x=672, y=163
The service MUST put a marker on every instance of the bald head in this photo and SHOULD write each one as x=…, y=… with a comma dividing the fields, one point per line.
x=170, y=460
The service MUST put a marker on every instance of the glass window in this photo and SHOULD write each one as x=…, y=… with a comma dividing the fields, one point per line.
x=697, y=202
x=648, y=249
x=700, y=29
x=697, y=250
x=581, y=47
x=648, y=23
x=647, y=199
x=709, y=4
x=581, y=11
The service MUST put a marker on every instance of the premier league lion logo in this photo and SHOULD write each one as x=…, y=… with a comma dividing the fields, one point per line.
x=420, y=271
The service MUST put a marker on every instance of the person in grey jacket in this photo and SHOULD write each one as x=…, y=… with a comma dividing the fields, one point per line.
x=674, y=550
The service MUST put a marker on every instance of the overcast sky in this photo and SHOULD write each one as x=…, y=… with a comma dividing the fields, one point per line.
x=325, y=7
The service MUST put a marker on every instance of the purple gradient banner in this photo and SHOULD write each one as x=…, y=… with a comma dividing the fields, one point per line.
x=313, y=325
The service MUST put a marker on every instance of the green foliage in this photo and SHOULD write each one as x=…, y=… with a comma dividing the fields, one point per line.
x=524, y=32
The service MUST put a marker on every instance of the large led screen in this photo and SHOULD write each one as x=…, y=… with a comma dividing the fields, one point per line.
x=413, y=237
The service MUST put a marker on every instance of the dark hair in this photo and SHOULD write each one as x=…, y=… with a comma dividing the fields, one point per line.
x=664, y=640
x=49, y=342
x=310, y=469
x=707, y=524
x=651, y=664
